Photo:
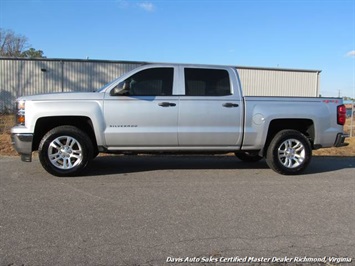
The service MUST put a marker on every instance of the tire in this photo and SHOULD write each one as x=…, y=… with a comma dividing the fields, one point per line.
x=250, y=157
x=289, y=152
x=65, y=151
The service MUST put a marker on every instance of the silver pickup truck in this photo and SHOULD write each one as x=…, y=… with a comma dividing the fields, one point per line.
x=175, y=108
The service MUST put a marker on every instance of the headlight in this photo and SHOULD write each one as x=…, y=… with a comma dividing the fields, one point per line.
x=20, y=112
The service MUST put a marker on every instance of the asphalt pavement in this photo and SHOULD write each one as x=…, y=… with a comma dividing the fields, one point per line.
x=198, y=210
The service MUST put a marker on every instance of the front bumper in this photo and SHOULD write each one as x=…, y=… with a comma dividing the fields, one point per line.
x=22, y=143
x=340, y=140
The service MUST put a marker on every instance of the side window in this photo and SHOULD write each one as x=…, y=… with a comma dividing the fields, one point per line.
x=150, y=82
x=206, y=82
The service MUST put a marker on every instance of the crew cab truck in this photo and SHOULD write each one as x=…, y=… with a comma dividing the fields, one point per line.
x=175, y=108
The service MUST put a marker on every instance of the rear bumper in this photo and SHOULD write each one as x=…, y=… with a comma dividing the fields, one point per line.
x=340, y=140
x=23, y=145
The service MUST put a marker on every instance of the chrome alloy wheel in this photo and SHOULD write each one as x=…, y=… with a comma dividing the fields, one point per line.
x=291, y=153
x=65, y=152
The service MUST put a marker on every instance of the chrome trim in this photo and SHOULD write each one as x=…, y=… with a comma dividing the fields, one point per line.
x=340, y=140
x=23, y=145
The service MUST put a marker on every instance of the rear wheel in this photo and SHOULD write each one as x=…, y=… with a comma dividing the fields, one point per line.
x=65, y=151
x=289, y=152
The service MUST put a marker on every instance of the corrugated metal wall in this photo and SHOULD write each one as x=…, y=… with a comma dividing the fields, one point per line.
x=90, y=76
x=20, y=77
x=279, y=82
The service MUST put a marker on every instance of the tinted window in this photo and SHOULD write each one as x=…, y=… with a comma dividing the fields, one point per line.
x=150, y=82
x=206, y=82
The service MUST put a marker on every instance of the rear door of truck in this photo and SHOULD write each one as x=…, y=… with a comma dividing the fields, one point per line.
x=211, y=108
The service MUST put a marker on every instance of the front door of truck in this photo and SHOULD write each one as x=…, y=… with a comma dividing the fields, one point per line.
x=210, y=113
x=144, y=110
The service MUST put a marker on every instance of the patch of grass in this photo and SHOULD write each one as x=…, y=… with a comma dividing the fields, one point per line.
x=6, y=122
x=341, y=151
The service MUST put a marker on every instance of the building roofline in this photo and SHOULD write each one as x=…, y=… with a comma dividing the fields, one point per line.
x=144, y=63
x=280, y=69
x=71, y=60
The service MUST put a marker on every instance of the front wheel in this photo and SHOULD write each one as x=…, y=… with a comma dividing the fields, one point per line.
x=289, y=152
x=65, y=151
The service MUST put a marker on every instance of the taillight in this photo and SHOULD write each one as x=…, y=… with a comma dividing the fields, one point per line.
x=341, y=113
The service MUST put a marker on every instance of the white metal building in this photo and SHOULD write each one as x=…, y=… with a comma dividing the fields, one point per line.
x=19, y=77
x=279, y=82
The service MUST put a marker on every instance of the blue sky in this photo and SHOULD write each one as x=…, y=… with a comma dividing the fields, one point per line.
x=305, y=34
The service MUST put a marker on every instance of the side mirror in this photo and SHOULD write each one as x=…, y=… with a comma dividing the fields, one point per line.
x=115, y=91
x=122, y=88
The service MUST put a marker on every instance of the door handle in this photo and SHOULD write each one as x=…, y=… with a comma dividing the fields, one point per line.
x=166, y=104
x=229, y=105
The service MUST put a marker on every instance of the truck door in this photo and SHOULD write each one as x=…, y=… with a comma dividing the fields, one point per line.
x=210, y=113
x=144, y=111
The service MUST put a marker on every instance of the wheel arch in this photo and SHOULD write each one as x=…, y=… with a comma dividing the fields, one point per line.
x=305, y=126
x=45, y=124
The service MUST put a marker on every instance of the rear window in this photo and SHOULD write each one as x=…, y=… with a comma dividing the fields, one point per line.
x=206, y=82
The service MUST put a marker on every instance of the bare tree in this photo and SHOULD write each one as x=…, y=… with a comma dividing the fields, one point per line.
x=16, y=45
